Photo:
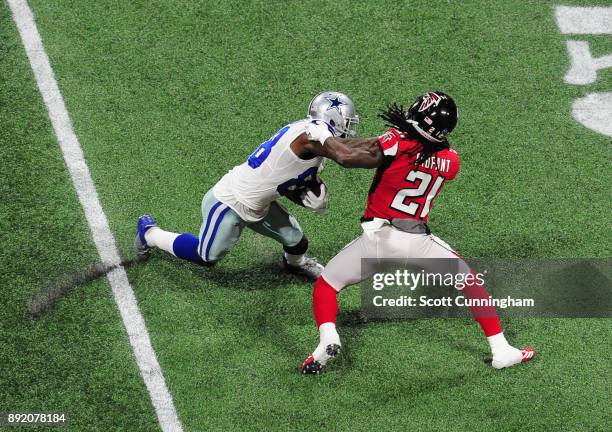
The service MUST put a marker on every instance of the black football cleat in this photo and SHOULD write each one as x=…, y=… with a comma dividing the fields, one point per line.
x=311, y=366
x=315, y=367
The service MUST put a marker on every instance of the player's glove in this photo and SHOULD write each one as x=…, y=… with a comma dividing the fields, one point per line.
x=316, y=202
x=318, y=130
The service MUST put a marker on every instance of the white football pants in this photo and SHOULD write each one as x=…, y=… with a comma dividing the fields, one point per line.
x=386, y=242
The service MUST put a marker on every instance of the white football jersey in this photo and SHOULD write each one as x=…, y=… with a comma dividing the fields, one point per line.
x=269, y=171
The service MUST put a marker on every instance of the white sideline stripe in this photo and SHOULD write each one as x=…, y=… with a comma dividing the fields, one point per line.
x=584, y=20
x=103, y=238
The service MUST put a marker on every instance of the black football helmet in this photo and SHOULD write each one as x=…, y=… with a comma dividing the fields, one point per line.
x=433, y=115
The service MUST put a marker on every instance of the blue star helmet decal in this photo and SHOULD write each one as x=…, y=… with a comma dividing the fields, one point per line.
x=335, y=103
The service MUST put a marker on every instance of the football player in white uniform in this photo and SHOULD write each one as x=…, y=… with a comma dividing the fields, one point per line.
x=287, y=164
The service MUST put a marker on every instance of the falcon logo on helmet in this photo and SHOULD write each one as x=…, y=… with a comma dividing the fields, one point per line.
x=433, y=116
x=429, y=99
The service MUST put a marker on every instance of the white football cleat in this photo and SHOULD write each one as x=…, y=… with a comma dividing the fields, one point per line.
x=512, y=356
x=310, y=269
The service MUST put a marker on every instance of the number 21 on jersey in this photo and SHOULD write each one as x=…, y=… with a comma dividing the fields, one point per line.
x=413, y=207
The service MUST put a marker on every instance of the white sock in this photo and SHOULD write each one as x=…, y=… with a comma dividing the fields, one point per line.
x=498, y=343
x=157, y=237
x=328, y=334
x=295, y=260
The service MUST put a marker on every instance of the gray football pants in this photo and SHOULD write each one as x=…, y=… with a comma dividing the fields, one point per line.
x=221, y=227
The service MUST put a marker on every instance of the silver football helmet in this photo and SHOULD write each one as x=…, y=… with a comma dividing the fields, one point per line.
x=337, y=109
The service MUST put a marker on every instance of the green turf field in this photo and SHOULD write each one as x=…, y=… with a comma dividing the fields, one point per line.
x=166, y=96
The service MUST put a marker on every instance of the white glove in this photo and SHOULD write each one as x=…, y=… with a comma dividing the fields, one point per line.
x=318, y=204
x=318, y=130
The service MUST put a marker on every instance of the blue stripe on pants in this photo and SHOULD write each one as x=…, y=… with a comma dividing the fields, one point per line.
x=208, y=219
x=214, y=233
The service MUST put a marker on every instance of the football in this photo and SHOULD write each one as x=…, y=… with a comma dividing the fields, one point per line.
x=297, y=193
x=314, y=185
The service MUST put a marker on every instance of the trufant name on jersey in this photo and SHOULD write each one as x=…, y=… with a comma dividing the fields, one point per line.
x=442, y=164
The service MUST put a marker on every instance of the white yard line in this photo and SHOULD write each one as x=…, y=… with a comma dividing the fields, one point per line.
x=584, y=20
x=103, y=238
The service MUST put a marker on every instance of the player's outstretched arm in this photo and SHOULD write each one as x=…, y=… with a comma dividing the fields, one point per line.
x=347, y=152
x=353, y=152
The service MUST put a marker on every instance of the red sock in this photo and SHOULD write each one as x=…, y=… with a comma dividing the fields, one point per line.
x=486, y=316
x=324, y=302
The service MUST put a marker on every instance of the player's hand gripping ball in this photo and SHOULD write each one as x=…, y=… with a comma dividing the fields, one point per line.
x=313, y=195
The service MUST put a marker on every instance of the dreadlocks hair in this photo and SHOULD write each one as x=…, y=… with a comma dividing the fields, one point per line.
x=397, y=117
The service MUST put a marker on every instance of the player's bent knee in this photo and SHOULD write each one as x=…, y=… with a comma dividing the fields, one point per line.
x=329, y=280
x=212, y=258
x=203, y=263
x=298, y=249
x=322, y=281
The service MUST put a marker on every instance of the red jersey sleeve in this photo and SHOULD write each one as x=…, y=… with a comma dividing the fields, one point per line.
x=455, y=164
x=390, y=142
